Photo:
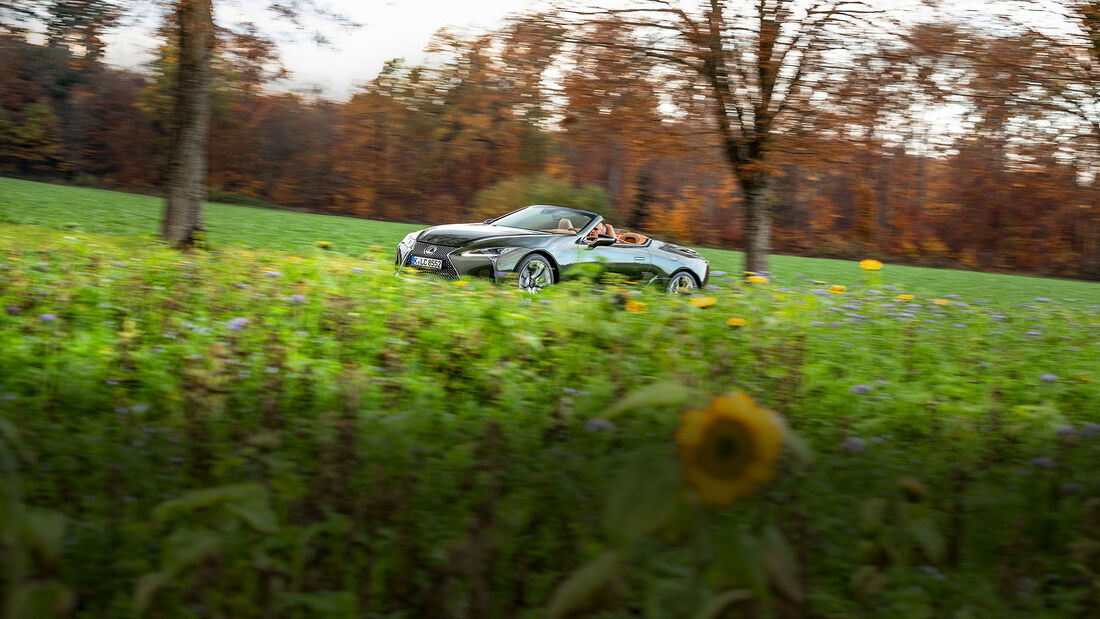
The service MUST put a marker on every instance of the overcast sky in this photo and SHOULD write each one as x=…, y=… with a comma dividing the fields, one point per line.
x=389, y=29
x=401, y=29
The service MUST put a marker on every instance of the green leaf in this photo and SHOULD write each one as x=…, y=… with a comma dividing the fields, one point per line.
x=644, y=498
x=780, y=565
x=721, y=602
x=186, y=547
x=43, y=530
x=583, y=585
x=146, y=587
x=657, y=394
x=928, y=537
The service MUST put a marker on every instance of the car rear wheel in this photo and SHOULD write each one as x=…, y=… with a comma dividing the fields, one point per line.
x=534, y=273
x=682, y=283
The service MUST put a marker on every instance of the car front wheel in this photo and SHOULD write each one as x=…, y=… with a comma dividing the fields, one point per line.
x=534, y=273
x=681, y=283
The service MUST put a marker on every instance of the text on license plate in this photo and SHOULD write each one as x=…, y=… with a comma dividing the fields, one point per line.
x=428, y=263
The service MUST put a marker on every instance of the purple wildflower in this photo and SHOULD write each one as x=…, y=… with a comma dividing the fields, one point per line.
x=1043, y=462
x=237, y=324
x=13, y=310
x=1034, y=332
x=853, y=444
x=47, y=317
x=1048, y=378
x=1070, y=488
x=357, y=270
x=297, y=298
x=598, y=425
x=1042, y=299
x=272, y=274
x=861, y=389
x=1090, y=429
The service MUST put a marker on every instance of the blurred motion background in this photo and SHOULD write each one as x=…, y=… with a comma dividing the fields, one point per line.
x=948, y=134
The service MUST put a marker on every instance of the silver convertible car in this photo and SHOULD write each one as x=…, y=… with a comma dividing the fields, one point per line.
x=540, y=245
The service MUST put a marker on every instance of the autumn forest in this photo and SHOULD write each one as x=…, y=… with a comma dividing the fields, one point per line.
x=944, y=143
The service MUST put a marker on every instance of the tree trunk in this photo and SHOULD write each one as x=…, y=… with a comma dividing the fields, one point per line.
x=758, y=221
x=188, y=143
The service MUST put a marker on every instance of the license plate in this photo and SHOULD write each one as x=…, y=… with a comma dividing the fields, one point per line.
x=427, y=263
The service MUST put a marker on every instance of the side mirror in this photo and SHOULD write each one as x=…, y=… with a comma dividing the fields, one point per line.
x=602, y=240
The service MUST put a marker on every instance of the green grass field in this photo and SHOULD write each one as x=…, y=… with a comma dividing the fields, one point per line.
x=269, y=429
x=109, y=212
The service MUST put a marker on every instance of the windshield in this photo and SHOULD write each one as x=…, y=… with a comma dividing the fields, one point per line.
x=557, y=219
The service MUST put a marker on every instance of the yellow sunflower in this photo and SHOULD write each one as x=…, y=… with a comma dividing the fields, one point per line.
x=870, y=265
x=838, y=289
x=737, y=322
x=728, y=448
x=758, y=279
x=636, y=307
x=703, y=301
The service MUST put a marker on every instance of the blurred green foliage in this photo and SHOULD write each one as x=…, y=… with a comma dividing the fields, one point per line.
x=510, y=194
x=255, y=433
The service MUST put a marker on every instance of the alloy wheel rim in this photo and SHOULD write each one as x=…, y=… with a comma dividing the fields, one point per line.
x=682, y=283
x=535, y=275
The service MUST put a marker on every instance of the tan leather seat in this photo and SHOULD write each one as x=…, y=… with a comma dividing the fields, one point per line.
x=565, y=224
x=632, y=238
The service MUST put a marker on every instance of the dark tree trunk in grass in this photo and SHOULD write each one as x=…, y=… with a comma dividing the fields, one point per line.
x=188, y=142
x=758, y=221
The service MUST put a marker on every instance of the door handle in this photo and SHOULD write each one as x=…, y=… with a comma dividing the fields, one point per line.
x=639, y=258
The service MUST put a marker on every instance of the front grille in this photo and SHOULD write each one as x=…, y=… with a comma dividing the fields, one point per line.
x=440, y=252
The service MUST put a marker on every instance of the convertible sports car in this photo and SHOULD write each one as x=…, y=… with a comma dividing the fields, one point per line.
x=541, y=245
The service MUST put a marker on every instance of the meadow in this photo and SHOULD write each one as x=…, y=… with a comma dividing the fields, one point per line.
x=269, y=428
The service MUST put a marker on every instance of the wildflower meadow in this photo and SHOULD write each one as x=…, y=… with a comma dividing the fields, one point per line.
x=276, y=426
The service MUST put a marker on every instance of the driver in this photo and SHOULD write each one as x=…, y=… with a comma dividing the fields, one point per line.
x=602, y=228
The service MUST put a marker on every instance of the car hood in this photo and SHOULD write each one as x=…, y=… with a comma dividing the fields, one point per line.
x=457, y=235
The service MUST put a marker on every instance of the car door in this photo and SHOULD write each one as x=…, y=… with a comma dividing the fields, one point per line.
x=629, y=260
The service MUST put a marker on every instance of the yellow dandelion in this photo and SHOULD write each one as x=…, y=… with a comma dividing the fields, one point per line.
x=905, y=297
x=728, y=448
x=248, y=254
x=637, y=307
x=838, y=289
x=737, y=322
x=758, y=279
x=376, y=248
x=324, y=244
x=461, y=284
x=1083, y=378
x=294, y=259
x=629, y=283
x=870, y=265
x=941, y=301
x=703, y=301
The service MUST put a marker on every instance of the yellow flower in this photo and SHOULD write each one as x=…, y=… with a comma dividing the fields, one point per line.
x=941, y=301
x=703, y=301
x=837, y=289
x=324, y=244
x=376, y=248
x=905, y=297
x=636, y=307
x=294, y=259
x=1083, y=378
x=737, y=322
x=461, y=284
x=248, y=254
x=728, y=448
x=758, y=279
x=870, y=265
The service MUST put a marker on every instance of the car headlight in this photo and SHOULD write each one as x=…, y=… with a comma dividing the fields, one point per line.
x=492, y=252
x=409, y=240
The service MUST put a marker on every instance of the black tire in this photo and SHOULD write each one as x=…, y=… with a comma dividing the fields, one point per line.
x=535, y=272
